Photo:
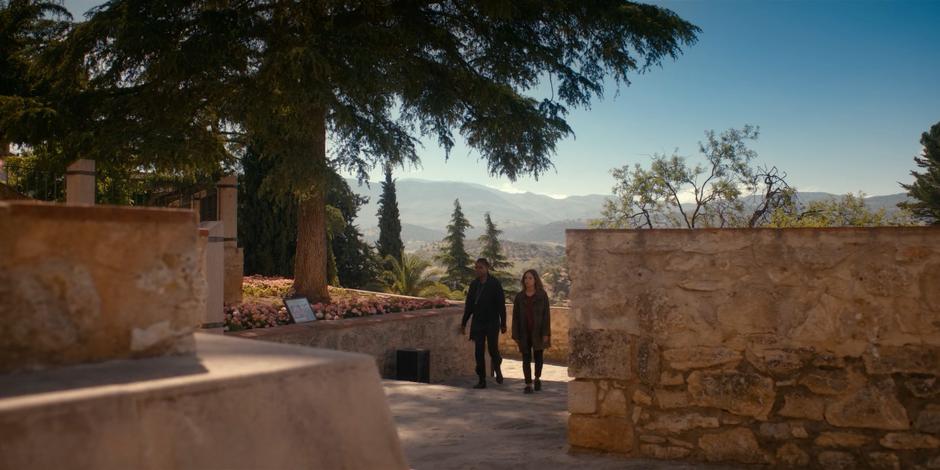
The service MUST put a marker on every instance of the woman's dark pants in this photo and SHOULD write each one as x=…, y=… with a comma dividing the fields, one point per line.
x=527, y=363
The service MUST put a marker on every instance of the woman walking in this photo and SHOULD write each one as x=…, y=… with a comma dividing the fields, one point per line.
x=531, y=326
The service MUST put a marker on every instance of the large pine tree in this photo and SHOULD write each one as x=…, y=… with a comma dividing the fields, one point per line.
x=389, y=243
x=175, y=82
x=453, y=252
x=490, y=247
x=925, y=190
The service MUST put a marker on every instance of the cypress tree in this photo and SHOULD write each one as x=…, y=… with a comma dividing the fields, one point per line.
x=490, y=247
x=389, y=243
x=453, y=254
x=925, y=190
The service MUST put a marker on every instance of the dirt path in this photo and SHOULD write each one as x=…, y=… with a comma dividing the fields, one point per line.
x=452, y=426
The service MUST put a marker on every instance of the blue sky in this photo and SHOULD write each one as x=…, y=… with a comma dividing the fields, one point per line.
x=841, y=90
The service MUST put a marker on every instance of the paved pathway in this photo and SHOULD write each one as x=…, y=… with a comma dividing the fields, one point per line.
x=451, y=426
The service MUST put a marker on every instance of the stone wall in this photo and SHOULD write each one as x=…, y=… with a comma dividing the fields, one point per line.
x=557, y=353
x=380, y=336
x=96, y=283
x=803, y=347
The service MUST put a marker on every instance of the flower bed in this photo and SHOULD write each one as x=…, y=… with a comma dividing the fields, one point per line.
x=263, y=306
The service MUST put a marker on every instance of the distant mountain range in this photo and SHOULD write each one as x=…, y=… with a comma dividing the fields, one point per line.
x=426, y=206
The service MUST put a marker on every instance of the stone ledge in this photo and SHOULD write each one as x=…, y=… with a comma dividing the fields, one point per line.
x=100, y=213
x=261, y=333
x=381, y=335
x=97, y=283
x=236, y=404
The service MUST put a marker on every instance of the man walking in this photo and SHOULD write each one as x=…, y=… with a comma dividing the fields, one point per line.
x=486, y=303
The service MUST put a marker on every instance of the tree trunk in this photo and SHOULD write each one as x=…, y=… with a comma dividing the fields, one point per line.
x=310, y=276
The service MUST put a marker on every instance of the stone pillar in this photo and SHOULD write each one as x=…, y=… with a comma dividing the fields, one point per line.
x=213, y=258
x=234, y=256
x=80, y=182
x=4, y=153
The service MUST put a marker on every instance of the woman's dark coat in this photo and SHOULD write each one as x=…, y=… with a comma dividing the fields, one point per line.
x=542, y=327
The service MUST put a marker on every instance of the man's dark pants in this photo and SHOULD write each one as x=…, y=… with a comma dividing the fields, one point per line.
x=481, y=341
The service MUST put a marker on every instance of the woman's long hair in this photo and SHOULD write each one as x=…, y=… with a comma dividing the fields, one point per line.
x=538, y=281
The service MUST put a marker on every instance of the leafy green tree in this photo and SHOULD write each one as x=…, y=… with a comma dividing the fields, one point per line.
x=389, y=243
x=925, y=190
x=846, y=211
x=490, y=247
x=355, y=260
x=267, y=226
x=453, y=252
x=726, y=191
x=405, y=274
x=175, y=82
x=28, y=111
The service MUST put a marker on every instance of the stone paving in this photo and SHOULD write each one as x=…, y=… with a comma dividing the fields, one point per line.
x=452, y=426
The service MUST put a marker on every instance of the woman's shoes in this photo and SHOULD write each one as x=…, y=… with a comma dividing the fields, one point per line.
x=527, y=390
x=499, y=376
x=538, y=385
x=480, y=384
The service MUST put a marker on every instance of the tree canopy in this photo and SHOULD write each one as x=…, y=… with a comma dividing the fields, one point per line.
x=181, y=84
x=925, y=190
x=728, y=190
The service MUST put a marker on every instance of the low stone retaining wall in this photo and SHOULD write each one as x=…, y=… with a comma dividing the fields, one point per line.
x=805, y=347
x=380, y=336
x=557, y=353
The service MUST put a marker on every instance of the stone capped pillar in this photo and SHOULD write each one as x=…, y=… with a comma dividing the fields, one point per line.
x=234, y=256
x=80, y=182
x=213, y=266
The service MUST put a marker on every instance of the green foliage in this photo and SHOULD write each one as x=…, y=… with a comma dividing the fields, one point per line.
x=848, y=211
x=174, y=85
x=35, y=177
x=453, y=254
x=356, y=266
x=267, y=221
x=925, y=190
x=405, y=275
x=268, y=227
x=719, y=190
x=439, y=290
x=490, y=246
x=389, y=243
x=27, y=103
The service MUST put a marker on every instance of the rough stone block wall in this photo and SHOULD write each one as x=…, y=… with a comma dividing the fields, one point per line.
x=804, y=347
x=557, y=353
x=381, y=336
x=91, y=283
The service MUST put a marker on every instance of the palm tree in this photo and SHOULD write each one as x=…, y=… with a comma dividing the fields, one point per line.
x=406, y=277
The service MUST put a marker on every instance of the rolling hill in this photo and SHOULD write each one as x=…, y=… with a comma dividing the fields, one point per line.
x=426, y=206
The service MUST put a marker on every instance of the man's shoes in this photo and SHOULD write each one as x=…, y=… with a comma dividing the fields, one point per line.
x=527, y=390
x=538, y=385
x=480, y=384
x=499, y=376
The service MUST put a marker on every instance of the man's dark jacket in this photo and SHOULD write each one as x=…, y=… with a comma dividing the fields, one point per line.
x=486, y=303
